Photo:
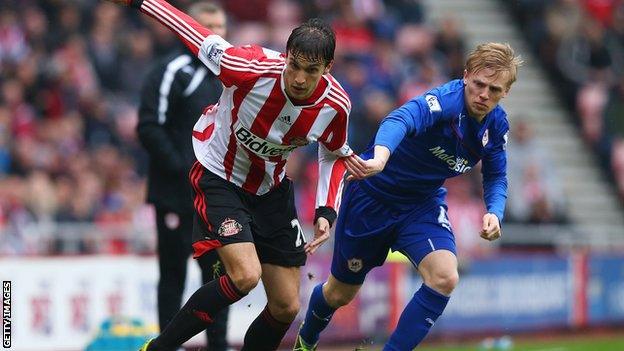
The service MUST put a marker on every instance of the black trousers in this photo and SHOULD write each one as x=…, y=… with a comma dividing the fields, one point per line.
x=174, y=248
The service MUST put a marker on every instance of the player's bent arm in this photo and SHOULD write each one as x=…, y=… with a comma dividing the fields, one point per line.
x=382, y=154
x=409, y=119
x=331, y=174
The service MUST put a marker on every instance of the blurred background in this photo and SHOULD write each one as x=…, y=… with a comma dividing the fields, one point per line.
x=77, y=240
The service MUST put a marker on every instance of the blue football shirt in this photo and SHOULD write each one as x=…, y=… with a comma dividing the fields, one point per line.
x=432, y=138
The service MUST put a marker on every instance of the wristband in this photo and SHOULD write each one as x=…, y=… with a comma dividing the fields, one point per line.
x=326, y=212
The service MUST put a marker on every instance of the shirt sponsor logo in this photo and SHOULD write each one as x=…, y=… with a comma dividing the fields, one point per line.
x=457, y=164
x=434, y=105
x=260, y=146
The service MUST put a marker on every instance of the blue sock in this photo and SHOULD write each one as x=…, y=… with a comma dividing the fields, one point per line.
x=417, y=318
x=317, y=317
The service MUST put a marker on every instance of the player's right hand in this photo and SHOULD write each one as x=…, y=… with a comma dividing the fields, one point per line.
x=321, y=234
x=360, y=169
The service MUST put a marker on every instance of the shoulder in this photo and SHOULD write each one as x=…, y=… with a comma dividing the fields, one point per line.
x=447, y=99
x=338, y=96
x=254, y=53
x=500, y=123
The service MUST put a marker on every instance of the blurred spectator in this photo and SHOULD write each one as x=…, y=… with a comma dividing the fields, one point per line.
x=537, y=195
x=581, y=43
x=70, y=74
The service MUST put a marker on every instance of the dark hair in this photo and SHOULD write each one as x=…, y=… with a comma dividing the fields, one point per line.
x=314, y=39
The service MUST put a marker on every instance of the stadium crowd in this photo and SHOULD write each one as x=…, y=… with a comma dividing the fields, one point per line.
x=581, y=43
x=71, y=71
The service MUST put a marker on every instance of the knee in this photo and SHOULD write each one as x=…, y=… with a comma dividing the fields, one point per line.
x=284, y=311
x=246, y=278
x=444, y=281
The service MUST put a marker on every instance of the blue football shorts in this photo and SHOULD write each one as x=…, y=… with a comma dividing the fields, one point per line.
x=367, y=228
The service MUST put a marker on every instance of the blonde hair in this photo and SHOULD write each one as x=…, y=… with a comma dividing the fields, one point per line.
x=499, y=57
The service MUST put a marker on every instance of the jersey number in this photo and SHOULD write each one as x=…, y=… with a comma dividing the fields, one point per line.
x=300, y=236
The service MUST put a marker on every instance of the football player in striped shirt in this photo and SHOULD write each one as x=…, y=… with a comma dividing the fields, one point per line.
x=271, y=104
x=398, y=202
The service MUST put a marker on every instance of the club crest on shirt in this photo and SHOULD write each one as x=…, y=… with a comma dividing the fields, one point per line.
x=486, y=137
x=299, y=141
x=355, y=265
x=229, y=227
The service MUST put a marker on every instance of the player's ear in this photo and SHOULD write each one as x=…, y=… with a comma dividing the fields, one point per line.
x=506, y=92
x=328, y=67
x=465, y=77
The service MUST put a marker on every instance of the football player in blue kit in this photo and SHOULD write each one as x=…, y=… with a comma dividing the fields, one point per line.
x=398, y=201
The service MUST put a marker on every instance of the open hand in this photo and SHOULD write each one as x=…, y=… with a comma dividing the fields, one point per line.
x=321, y=234
x=360, y=169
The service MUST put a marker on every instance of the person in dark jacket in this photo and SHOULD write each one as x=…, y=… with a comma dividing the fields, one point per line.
x=174, y=93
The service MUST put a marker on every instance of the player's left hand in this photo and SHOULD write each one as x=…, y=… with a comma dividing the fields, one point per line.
x=321, y=234
x=491, y=227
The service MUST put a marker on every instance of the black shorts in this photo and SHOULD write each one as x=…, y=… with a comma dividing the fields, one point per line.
x=227, y=214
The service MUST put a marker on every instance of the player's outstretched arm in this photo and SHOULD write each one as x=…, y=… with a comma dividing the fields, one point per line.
x=185, y=27
x=360, y=169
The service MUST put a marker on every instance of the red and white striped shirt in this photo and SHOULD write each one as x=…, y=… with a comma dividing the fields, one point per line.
x=246, y=138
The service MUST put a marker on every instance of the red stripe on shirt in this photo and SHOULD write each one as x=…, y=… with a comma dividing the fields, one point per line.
x=205, y=134
x=178, y=22
x=302, y=125
x=337, y=128
x=278, y=170
x=230, y=155
x=256, y=173
x=269, y=112
x=335, y=179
